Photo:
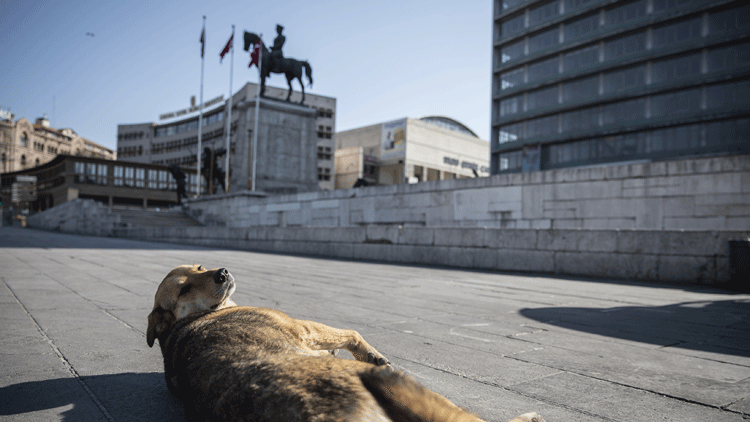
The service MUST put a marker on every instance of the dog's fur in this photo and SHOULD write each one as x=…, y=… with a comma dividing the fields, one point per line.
x=231, y=363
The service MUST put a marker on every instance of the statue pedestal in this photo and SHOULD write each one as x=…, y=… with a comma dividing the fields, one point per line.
x=287, y=154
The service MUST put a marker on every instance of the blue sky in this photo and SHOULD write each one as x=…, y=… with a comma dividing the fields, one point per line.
x=381, y=60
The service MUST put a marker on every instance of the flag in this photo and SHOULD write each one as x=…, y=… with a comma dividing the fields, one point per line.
x=255, y=55
x=203, y=41
x=226, y=49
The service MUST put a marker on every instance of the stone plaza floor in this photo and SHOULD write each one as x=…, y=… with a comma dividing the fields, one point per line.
x=73, y=320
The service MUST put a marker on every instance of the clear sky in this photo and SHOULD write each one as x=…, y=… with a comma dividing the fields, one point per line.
x=381, y=60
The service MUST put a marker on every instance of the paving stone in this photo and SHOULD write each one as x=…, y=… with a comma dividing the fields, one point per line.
x=498, y=344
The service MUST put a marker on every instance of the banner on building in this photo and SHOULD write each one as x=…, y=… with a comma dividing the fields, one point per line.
x=393, y=142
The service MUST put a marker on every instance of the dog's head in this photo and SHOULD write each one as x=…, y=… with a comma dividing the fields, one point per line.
x=186, y=290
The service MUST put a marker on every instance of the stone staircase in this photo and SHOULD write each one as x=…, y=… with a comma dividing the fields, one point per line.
x=138, y=217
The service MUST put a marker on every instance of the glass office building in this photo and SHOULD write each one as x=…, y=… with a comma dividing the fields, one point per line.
x=587, y=82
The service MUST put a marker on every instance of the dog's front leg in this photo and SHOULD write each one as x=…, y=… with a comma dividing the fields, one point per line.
x=317, y=336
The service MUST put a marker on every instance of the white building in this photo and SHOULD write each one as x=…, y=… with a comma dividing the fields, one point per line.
x=409, y=150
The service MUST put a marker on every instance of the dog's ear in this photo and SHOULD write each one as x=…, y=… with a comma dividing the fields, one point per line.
x=159, y=321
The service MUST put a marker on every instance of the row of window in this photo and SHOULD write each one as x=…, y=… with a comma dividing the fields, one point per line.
x=716, y=23
x=189, y=125
x=94, y=173
x=694, y=139
x=610, y=17
x=626, y=79
x=130, y=136
x=124, y=152
x=324, y=113
x=688, y=102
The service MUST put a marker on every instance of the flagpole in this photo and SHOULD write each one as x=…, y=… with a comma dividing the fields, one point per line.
x=200, y=108
x=257, y=108
x=229, y=115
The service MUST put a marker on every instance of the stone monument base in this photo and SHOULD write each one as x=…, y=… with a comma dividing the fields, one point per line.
x=286, y=150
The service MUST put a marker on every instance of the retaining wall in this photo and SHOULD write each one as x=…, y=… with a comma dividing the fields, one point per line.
x=693, y=194
x=697, y=257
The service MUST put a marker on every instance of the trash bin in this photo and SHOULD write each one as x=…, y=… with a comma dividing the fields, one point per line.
x=739, y=264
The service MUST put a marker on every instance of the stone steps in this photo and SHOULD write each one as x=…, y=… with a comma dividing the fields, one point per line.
x=130, y=217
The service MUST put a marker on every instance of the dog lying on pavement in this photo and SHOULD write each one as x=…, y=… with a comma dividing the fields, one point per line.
x=231, y=363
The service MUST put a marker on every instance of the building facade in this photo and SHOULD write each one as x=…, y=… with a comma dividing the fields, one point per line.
x=24, y=145
x=585, y=82
x=409, y=151
x=111, y=182
x=176, y=141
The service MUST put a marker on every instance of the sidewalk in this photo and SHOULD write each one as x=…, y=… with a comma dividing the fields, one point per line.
x=73, y=316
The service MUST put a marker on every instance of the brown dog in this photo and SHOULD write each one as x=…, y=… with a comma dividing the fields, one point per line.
x=231, y=363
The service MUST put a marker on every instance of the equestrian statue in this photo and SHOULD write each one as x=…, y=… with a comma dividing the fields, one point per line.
x=273, y=61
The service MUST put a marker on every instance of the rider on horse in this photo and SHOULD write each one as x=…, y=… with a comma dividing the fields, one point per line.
x=278, y=43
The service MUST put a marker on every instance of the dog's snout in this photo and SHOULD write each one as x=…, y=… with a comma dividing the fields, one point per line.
x=221, y=275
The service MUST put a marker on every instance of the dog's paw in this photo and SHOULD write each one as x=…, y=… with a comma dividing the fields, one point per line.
x=377, y=359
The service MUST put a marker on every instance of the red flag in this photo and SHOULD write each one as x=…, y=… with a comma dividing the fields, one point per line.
x=255, y=55
x=203, y=41
x=226, y=49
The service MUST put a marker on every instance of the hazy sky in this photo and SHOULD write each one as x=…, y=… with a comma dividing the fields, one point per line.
x=381, y=60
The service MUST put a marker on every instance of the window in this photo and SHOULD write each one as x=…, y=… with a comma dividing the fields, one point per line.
x=140, y=177
x=730, y=20
x=676, y=33
x=118, y=175
x=510, y=133
x=102, y=174
x=732, y=133
x=729, y=57
x=511, y=79
x=542, y=126
x=509, y=4
x=624, y=13
x=512, y=52
x=663, y=5
x=677, y=138
x=544, y=13
x=623, y=111
x=581, y=28
x=625, y=46
x=580, y=120
x=509, y=161
x=512, y=105
x=542, y=98
x=512, y=26
x=624, y=79
x=24, y=141
x=543, y=40
x=582, y=89
x=734, y=95
x=675, y=103
x=676, y=68
x=544, y=69
x=23, y=160
x=571, y=5
x=581, y=58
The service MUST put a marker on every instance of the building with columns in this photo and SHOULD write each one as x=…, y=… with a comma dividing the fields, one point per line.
x=24, y=145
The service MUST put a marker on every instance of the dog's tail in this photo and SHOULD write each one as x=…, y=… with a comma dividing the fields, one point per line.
x=403, y=400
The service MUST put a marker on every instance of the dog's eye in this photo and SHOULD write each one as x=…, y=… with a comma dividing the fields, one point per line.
x=185, y=289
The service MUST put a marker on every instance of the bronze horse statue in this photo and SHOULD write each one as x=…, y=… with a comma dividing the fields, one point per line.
x=292, y=68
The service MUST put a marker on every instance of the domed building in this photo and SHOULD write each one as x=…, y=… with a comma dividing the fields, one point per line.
x=409, y=151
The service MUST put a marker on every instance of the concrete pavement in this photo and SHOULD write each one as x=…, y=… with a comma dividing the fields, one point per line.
x=73, y=317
